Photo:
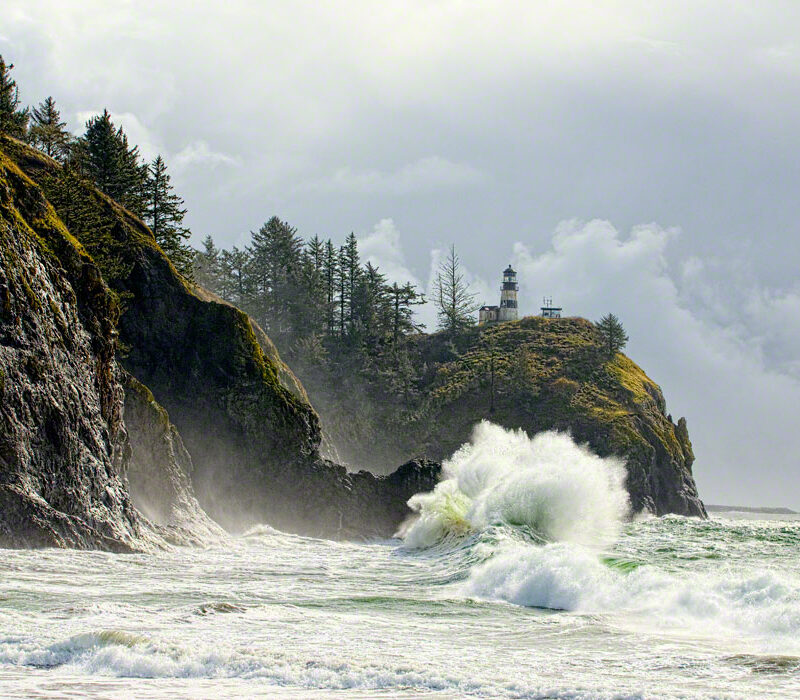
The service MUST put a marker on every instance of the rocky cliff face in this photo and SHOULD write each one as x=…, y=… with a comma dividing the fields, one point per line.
x=160, y=469
x=63, y=446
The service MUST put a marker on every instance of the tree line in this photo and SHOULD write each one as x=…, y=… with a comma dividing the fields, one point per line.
x=103, y=156
x=304, y=291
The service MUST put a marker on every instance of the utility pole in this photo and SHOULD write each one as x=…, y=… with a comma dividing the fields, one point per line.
x=491, y=400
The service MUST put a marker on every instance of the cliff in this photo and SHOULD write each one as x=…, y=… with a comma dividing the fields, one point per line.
x=63, y=446
x=535, y=374
x=214, y=414
x=135, y=405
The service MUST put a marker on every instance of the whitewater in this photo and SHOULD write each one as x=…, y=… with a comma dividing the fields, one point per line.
x=520, y=576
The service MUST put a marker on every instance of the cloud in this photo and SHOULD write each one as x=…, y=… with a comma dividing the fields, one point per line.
x=741, y=407
x=424, y=175
x=382, y=248
x=198, y=153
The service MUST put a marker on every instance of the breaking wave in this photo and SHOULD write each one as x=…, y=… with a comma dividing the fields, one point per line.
x=529, y=521
x=547, y=484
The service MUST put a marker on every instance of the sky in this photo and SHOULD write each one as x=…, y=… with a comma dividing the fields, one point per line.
x=640, y=158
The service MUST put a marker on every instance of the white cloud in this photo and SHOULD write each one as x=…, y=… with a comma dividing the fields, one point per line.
x=741, y=408
x=423, y=175
x=382, y=248
x=198, y=153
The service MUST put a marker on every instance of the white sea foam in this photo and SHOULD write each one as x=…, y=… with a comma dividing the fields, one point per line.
x=563, y=576
x=547, y=483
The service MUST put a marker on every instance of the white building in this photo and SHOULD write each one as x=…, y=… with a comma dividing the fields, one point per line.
x=507, y=311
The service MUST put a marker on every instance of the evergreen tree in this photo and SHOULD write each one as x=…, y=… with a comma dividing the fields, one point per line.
x=207, y=266
x=48, y=133
x=315, y=253
x=163, y=213
x=330, y=273
x=66, y=190
x=235, y=283
x=455, y=304
x=13, y=120
x=612, y=333
x=312, y=313
x=351, y=262
x=112, y=163
x=369, y=315
x=343, y=300
x=276, y=259
x=403, y=299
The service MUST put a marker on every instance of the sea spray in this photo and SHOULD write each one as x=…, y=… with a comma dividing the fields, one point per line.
x=547, y=484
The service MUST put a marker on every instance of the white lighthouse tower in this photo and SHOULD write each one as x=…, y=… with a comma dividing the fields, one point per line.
x=508, y=296
x=507, y=311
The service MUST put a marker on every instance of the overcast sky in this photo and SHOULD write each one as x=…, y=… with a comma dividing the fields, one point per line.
x=635, y=157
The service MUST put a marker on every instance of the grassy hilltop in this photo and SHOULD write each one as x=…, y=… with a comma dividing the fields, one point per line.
x=548, y=374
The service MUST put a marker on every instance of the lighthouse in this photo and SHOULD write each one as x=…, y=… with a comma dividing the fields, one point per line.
x=507, y=311
x=508, y=295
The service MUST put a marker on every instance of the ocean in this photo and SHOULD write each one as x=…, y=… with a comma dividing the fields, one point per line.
x=520, y=577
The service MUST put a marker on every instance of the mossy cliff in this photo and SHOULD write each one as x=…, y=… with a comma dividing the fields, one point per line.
x=535, y=374
x=63, y=446
x=242, y=416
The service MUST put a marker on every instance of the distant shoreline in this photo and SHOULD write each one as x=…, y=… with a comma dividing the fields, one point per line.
x=751, y=509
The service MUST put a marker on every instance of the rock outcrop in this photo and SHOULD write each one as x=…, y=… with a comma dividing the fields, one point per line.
x=63, y=446
x=160, y=469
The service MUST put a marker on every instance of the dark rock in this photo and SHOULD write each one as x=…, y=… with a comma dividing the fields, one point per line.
x=63, y=446
x=160, y=469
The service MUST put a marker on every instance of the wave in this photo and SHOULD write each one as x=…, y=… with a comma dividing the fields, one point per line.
x=548, y=484
x=759, y=603
x=530, y=521
x=118, y=654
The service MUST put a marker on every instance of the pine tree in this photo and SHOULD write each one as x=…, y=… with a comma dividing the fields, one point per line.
x=66, y=190
x=163, y=213
x=612, y=333
x=369, y=317
x=13, y=120
x=403, y=299
x=276, y=262
x=455, y=304
x=342, y=291
x=352, y=264
x=311, y=314
x=330, y=273
x=235, y=285
x=113, y=165
x=207, y=266
x=48, y=133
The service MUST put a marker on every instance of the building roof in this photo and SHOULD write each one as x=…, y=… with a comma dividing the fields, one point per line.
x=509, y=269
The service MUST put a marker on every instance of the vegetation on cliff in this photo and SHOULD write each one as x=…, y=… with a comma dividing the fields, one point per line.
x=250, y=436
